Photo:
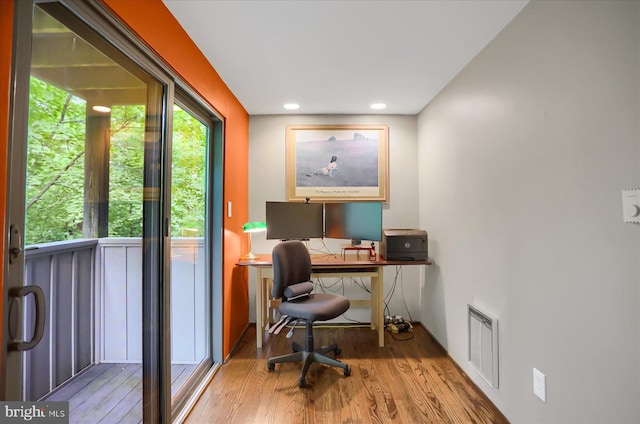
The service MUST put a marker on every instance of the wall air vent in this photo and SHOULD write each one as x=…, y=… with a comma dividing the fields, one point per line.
x=483, y=344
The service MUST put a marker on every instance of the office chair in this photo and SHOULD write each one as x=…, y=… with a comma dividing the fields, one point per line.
x=291, y=283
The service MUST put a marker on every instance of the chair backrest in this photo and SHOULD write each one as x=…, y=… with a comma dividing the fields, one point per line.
x=291, y=265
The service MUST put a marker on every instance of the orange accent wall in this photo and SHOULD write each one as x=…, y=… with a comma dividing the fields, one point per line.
x=156, y=26
x=6, y=33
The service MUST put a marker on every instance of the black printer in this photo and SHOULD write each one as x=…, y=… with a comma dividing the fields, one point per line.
x=404, y=245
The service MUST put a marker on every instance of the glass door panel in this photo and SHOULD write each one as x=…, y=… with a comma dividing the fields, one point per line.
x=88, y=191
x=190, y=280
x=91, y=149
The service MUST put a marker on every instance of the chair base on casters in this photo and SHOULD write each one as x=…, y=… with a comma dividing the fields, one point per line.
x=308, y=355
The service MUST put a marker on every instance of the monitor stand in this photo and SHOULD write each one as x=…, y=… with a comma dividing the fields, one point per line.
x=371, y=251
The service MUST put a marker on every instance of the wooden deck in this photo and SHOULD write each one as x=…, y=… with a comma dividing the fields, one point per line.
x=411, y=381
x=110, y=393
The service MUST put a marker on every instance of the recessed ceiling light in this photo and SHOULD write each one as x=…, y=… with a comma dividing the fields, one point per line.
x=378, y=106
x=292, y=106
x=104, y=109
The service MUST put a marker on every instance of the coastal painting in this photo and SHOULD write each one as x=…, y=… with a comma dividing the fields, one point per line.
x=337, y=162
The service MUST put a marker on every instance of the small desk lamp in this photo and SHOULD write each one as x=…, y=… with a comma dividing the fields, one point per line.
x=253, y=227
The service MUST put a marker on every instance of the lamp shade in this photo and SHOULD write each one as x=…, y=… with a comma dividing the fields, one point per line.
x=254, y=227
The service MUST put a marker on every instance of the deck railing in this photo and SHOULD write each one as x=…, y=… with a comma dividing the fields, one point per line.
x=65, y=271
x=93, y=298
x=120, y=300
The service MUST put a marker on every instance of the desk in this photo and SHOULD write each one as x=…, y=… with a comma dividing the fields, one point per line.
x=326, y=266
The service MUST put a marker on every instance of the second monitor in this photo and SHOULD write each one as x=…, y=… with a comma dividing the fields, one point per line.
x=356, y=221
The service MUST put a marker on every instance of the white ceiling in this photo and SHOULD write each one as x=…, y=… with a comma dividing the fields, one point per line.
x=338, y=57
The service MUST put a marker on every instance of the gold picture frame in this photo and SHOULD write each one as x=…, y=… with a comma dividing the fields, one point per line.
x=342, y=163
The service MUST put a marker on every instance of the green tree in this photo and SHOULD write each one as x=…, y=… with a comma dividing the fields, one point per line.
x=55, y=168
x=188, y=172
x=126, y=171
x=54, y=164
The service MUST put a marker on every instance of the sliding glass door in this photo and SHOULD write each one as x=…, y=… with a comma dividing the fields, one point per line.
x=110, y=275
x=190, y=246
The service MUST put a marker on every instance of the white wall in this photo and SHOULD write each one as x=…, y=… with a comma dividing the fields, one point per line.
x=523, y=158
x=267, y=183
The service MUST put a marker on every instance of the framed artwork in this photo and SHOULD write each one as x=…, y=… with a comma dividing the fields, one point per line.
x=337, y=163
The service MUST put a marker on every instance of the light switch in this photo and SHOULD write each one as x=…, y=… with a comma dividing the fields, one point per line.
x=631, y=205
x=228, y=209
x=539, y=385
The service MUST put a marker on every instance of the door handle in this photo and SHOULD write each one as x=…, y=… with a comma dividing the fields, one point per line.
x=15, y=243
x=38, y=295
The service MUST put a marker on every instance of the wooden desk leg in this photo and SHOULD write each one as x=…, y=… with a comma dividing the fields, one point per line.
x=259, y=307
x=266, y=310
x=377, y=305
x=272, y=311
x=374, y=302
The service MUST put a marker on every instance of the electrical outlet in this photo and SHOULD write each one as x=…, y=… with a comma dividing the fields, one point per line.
x=539, y=385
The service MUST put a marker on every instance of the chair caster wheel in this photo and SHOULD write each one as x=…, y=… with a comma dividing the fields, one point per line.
x=302, y=383
x=271, y=366
x=347, y=371
x=337, y=351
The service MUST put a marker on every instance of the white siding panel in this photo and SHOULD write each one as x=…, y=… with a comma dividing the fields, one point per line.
x=134, y=303
x=182, y=301
x=200, y=310
x=122, y=287
x=115, y=301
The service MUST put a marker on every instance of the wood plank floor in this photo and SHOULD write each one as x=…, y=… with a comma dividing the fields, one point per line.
x=411, y=381
x=110, y=393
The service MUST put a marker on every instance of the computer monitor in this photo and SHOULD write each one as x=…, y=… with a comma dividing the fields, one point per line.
x=356, y=221
x=293, y=221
